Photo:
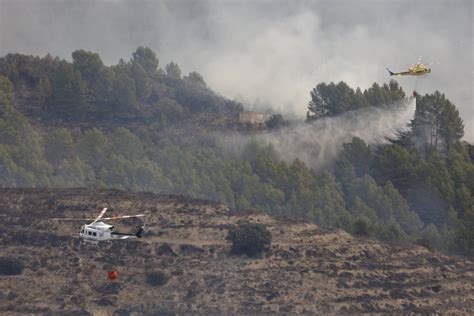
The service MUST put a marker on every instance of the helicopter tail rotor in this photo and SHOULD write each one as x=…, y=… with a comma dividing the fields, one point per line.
x=140, y=232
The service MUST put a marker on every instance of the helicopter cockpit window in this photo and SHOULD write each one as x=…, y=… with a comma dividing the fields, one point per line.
x=89, y=233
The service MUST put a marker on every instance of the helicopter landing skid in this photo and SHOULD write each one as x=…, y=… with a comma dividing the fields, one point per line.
x=89, y=241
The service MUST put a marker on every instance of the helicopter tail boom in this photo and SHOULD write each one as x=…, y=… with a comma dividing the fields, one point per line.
x=138, y=234
x=403, y=73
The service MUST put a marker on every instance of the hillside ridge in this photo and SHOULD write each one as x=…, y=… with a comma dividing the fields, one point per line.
x=307, y=270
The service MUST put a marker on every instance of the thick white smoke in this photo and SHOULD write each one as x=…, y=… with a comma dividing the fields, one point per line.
x=318, y=144
x=273, y=51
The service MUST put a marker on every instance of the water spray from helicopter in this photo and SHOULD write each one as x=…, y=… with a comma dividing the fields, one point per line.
x=319, y=143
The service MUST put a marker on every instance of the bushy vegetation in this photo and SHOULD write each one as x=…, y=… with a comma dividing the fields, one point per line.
x=10, y=266
x=156, y=278
x=418, y=187
x=249, y=239
x=361, y=227
x=276, y=121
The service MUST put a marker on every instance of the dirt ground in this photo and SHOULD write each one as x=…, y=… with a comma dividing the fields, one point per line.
x=307, y=270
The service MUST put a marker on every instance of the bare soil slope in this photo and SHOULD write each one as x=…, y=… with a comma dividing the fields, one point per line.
x=307, y=270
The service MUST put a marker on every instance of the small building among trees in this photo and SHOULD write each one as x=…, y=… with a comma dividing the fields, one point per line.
x=254, y=119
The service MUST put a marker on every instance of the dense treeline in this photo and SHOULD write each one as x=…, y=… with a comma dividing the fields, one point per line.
x=436, y=187
x=88, y=91
x=418, y=189
x=334, y=99
x=437, y=124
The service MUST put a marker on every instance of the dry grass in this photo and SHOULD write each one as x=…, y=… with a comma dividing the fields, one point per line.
x=306, y=270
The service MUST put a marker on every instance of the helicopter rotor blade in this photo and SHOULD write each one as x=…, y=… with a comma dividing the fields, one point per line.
x=122, y=217
x=71, y=219
x=100, y=215
x=118, y=217
x=419, y=60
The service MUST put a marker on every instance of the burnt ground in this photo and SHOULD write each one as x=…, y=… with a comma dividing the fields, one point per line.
x=307, y=270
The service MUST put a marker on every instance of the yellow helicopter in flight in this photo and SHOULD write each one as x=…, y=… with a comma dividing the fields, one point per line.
x=418, y=69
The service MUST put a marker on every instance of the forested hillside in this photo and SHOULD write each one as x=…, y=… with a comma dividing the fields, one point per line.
x=85, y=124
x=86, y=90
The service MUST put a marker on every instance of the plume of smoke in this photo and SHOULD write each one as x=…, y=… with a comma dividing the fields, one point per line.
x=274, y=51
x=318, y=144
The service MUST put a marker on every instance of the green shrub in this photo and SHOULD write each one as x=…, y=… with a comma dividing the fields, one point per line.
x=156, y=278
x=361, y=228
x=249, y=239
x=425, y=242
x=10, y=266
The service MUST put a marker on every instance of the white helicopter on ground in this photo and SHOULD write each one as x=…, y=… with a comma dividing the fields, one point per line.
x=100, y=231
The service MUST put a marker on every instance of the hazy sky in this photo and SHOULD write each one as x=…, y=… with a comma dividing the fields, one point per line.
x=272, y=52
